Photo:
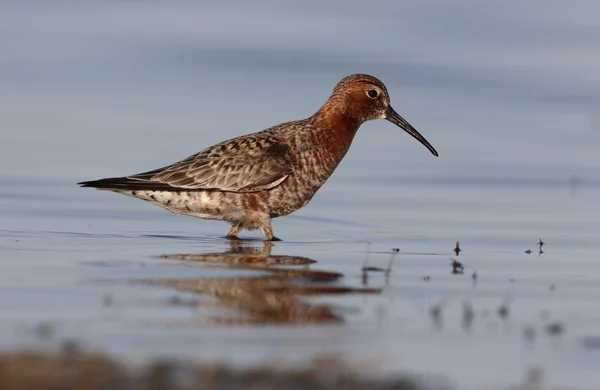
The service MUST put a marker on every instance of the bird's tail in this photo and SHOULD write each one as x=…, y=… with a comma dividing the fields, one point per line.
x=125, y=184
x=108, y=184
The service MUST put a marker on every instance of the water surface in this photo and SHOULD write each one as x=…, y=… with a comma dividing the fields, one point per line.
x=509, y=98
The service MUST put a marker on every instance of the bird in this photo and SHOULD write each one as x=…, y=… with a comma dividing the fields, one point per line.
x=251, y=179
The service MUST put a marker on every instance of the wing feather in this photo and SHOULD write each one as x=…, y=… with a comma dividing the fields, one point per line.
x=245, y=164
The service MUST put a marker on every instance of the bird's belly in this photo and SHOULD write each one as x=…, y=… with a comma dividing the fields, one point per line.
x=201, y=204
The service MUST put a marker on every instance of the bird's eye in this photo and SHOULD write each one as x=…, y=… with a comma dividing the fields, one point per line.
x=372, y=93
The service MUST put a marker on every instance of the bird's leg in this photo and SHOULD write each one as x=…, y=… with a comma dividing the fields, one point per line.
x=267, y=230
x=234, y=230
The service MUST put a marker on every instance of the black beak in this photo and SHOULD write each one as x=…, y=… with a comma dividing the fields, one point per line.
x=396, y=119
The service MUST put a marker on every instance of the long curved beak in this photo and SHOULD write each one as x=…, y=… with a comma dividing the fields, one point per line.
x=396, y=119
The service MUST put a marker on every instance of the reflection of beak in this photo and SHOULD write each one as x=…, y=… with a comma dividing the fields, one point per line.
x=396, y=119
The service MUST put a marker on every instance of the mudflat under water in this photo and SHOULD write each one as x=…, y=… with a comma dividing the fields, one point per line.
x=510, y=100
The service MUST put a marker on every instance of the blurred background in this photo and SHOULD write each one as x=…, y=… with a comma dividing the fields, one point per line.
x=507, y=92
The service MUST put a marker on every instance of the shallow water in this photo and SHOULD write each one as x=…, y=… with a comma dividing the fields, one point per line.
x=511, y=100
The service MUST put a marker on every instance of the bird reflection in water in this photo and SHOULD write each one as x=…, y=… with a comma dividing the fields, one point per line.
x=273, y=296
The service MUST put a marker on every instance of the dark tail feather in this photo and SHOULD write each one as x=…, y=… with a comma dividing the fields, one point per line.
x=125, y=183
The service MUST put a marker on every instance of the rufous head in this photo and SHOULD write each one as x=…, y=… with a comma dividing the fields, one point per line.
x=366, y=98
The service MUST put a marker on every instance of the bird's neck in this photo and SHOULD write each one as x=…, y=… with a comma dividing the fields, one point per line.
x=331, y=138
x=336, y=127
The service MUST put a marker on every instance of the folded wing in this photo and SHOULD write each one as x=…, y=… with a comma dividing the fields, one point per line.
x=247, y=164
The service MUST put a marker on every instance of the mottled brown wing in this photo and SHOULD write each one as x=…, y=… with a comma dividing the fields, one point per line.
x=241, y=165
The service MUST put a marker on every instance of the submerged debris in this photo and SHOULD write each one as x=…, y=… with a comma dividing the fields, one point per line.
x=457, y=249
x=373, y=269
x=457, y=267
x=468, y=315
x=504, y=309
x=436, y=315
x=555, y=328
x=591, y=342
